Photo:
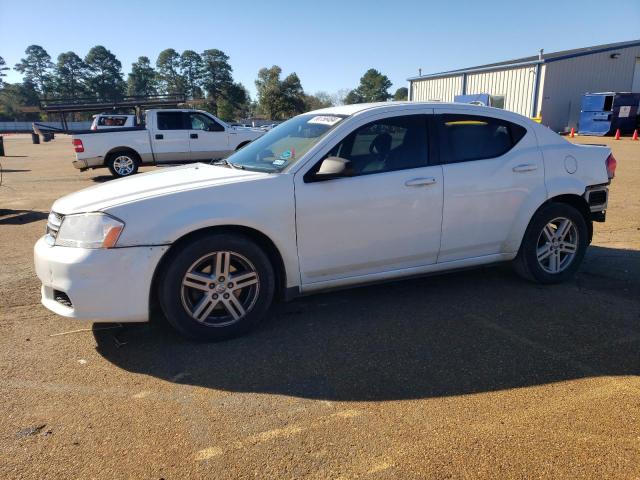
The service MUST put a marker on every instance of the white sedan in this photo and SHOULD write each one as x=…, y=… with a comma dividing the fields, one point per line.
x=333, y=198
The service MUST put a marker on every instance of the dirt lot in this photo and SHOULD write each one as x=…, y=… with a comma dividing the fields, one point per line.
x=467, y=375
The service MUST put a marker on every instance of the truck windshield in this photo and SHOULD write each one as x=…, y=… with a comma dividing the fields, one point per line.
x=285, y=144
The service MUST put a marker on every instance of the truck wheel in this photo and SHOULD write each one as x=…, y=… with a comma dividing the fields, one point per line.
x=554, y=244
x=216, y=287
x=123, y=164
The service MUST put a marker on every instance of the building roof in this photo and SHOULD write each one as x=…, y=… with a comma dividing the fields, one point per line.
x=533, y=59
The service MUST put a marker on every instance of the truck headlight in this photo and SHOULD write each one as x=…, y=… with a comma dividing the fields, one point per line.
x=89, y=230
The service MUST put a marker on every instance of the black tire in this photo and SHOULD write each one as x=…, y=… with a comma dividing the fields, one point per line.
x=119, y=156
x=175, y=300
x=527, y=264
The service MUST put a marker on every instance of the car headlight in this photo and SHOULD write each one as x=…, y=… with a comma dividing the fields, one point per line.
x=89, y=230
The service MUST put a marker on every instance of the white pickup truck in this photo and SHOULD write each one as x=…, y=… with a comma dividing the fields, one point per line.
x=168, y=136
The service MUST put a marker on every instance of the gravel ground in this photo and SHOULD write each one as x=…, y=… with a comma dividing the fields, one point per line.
x=468, y=375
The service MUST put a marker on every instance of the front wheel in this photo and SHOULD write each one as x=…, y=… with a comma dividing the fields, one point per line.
x=123, y=164
x=217, y=286
x=554, y=244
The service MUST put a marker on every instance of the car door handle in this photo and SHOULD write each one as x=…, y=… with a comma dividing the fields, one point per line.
x=525, y=167
x=159, y=136
x=419, y=182
x=193, y=135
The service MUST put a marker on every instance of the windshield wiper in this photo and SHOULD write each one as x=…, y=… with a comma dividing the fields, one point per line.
x=222, y=162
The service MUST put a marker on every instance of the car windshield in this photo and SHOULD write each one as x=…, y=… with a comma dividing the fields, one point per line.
x=284, y=144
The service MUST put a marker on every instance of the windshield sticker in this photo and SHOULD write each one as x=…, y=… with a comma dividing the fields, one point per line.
x=288, y=154
x=278, y=163
x=329, y=120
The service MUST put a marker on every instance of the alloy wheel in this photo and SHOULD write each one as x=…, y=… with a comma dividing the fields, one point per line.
x=557, y=245
x=123, y=165
x=220, y=288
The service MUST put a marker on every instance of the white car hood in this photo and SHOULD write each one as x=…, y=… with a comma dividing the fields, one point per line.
x=160, y=182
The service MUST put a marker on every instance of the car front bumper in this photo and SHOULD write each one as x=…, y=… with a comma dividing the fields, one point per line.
x=100, y=285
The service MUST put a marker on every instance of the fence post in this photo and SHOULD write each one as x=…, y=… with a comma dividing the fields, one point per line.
x=1, y=146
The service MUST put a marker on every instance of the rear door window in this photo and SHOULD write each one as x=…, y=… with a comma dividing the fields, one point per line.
x=465, y=138
x=171, y=121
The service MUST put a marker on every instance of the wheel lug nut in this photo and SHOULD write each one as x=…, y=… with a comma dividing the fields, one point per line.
x=221, y=279
x=230, y=285
x=212, y=285
x=226, y=295
x=215, y=296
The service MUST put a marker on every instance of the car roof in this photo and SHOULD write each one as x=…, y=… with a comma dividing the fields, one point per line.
x=357, y=108
x=360, y=107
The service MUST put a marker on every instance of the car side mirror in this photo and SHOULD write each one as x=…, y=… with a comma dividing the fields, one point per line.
x=334, y=167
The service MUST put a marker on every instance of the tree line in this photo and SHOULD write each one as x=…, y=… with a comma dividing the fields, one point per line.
x=205, y=77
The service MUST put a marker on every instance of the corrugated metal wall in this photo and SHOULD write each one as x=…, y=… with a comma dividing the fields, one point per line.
x=568, y=80
x=441, y=89
x=562, y=85
x=516, y=84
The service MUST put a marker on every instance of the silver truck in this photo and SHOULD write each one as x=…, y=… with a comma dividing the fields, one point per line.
x=166, y=137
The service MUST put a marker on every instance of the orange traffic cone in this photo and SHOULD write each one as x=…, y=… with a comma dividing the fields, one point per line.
x=635, y=135
x=573, y=133
x=618, y=134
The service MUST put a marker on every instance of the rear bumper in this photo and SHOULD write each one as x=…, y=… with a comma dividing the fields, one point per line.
x=597, y=197
x=98, y=285
x=91, y=162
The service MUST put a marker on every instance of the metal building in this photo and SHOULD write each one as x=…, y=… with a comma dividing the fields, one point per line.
x=548, y=85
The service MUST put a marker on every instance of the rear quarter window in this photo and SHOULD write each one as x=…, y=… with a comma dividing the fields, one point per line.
x=465, y=138
x=112, y=121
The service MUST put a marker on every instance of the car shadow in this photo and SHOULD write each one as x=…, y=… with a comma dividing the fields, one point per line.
x=20, y=217
x=467, y=332
x=102, y=178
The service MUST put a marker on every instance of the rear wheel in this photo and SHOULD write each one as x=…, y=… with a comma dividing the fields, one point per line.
x=216, y=287
x=123, y=164
x=554, y=244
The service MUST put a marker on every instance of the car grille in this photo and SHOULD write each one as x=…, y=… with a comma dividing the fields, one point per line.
x=53, y=225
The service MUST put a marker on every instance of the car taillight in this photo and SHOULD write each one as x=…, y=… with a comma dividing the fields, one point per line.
x=78, y=146
x=611, y=164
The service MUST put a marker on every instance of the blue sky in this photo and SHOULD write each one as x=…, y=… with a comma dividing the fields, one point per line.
x=328, y=43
